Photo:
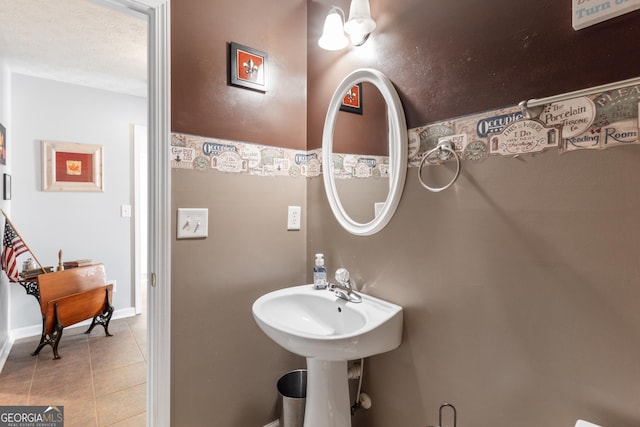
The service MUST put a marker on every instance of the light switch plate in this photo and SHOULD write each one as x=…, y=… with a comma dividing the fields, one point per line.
x=192, y=223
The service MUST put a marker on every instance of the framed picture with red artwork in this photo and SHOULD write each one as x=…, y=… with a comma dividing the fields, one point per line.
x=3, y=145
x=70, y=166
x=352, y=101
x=248, y=67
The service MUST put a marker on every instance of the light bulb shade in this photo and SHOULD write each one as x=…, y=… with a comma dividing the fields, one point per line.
x=333, y=37
x=360, y=22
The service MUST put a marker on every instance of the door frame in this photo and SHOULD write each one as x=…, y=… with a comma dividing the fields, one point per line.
x=140, y=145
x=159, y=208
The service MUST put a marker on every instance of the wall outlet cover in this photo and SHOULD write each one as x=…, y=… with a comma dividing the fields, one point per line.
x=294, y=218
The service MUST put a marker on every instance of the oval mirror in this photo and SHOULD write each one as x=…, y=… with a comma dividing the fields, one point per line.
x=364, y=189
x=361, y=153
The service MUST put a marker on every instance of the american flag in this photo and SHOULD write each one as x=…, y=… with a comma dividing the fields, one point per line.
x=13, y=246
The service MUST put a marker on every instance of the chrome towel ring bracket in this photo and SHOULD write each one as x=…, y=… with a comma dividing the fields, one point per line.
x=441, y=153
x=455, y=414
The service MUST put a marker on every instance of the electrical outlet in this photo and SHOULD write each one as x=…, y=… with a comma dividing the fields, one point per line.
x=294, y=218
x=192, y=223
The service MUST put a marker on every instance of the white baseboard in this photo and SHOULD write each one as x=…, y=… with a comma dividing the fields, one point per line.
x=36, y=330
x=25, y=332
x=4, y=351
x=275, y=423
x=123, y=313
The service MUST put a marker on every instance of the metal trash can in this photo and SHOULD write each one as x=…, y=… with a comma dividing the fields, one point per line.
x=292, y=388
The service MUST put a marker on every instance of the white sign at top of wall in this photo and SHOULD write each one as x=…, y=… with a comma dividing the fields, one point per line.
x=589, y=12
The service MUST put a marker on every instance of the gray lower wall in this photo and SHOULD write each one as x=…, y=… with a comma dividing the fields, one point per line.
x=520, y=290
x=224, y=368
x=519, y=282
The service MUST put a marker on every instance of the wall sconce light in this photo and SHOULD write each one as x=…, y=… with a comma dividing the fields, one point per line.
x=359, y=26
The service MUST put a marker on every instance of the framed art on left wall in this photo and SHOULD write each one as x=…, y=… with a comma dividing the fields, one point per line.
x=3, y=145
x=70, y=166
x=248, y=67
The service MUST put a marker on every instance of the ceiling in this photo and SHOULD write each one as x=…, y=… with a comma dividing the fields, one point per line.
x=75, y=41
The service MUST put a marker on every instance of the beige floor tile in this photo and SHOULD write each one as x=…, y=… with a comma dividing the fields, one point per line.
x=80, y=414
x=71, y=354
x=122, y=353
x=106, y=343
x=139, y=420
x=12, y=394
x=137, y=320
x=73, y=358
x=15, y=391
x=61, y=388
x=121, y=405
x=139, y=333
x=119, y=379
x=57, y=382
x=116, y=327
x=15, y=379
x=113, y=367
x=18, y=367
x=13, y=399
x=24, y=348
x=142, y=348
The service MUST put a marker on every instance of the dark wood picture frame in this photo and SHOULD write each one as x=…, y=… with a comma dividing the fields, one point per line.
x=6, y=181
x=352, y=101
x=248, y=67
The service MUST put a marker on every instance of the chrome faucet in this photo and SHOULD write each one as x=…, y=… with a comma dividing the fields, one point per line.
x=344, y=288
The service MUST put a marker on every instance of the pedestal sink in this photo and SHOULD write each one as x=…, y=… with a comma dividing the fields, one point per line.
x=329, y=332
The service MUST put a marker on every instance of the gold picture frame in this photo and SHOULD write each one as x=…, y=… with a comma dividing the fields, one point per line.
x=70, y=166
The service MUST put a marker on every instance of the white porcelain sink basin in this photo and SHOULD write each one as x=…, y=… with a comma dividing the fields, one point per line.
x=317, y=324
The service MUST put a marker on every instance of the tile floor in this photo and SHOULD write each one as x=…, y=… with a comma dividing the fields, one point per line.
x=100, y=381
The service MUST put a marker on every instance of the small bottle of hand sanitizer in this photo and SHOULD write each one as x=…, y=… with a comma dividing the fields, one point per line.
x=319, y=273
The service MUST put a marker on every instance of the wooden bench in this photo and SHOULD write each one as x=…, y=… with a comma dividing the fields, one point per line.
x=71, y=296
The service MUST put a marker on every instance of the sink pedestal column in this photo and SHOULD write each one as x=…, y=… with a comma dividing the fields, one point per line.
x=328, y=403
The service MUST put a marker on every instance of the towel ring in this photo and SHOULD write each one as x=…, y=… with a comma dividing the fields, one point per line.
x=440, y=148
x=455, y=414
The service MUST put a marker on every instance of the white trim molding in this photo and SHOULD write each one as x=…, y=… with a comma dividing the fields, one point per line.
x=159, y=292
x=159, y=268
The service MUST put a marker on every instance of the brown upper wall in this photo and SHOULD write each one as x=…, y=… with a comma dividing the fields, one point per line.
x=451, y=58
x=446, y=59
x=202, y=101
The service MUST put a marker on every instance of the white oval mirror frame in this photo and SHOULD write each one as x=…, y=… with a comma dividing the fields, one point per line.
x=398, y=151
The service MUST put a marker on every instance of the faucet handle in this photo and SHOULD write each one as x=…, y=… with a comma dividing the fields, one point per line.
x=342, y=276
